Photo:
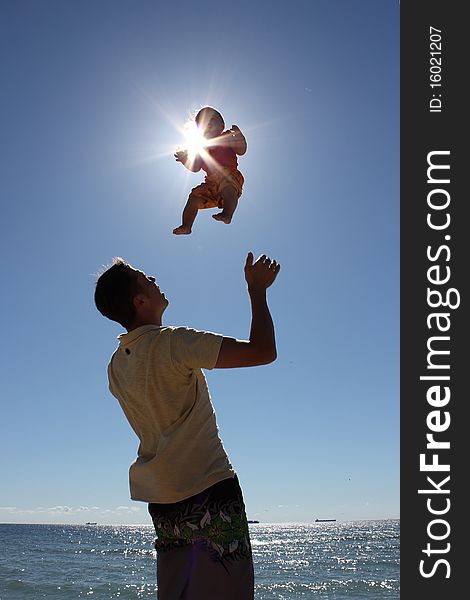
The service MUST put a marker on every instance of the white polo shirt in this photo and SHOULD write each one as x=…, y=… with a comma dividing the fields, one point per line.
x=155, y=373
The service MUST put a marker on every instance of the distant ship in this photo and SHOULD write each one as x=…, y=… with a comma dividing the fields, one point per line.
x=253, y=521
x=324, y=520
x=90, y=523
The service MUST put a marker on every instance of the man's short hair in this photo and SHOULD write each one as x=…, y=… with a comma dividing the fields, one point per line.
x=115, y=290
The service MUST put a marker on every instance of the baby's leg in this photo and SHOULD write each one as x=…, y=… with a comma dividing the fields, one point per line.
x=189, y=214
x=230, y=197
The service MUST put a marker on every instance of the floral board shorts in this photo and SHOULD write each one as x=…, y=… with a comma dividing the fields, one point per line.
x=203, y=546
x=210, y=192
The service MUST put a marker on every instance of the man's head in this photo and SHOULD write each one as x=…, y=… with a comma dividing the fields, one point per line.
x=210, y=122
x=128, y=296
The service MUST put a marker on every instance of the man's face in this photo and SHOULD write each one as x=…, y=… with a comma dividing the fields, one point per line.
x=151, y=290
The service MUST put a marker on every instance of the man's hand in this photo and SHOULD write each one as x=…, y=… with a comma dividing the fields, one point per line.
x=261, y=274
x=260, y=349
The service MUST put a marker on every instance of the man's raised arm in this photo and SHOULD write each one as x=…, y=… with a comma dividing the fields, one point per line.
x=260, y=349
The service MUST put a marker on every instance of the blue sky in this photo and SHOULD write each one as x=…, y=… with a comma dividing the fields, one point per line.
x=93, y=96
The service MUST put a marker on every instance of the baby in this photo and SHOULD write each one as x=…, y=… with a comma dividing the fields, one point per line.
x=223, y=183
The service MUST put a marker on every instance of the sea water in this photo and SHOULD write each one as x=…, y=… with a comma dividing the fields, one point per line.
x=334, y=561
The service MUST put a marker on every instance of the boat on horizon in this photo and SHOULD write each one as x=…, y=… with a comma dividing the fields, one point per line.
x=324, y=520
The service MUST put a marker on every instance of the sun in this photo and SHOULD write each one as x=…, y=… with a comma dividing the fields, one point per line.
x=194, y=141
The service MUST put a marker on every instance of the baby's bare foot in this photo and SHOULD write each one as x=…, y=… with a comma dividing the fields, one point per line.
x=222, y=217
x=182, y=230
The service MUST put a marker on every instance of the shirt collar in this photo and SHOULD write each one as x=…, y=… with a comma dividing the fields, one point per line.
x=132, y=336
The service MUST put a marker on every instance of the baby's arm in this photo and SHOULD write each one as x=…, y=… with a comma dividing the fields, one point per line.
x=238, y=141
x=193, y=165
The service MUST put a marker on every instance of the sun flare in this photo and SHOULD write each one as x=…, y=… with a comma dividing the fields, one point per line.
x=194, y=141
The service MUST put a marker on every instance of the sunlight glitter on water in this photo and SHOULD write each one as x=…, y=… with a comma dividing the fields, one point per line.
x=292, y=562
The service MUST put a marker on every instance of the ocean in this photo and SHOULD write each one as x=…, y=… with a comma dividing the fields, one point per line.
x=333, y=561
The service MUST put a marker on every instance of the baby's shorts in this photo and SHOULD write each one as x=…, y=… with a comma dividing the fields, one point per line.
x=210, y=192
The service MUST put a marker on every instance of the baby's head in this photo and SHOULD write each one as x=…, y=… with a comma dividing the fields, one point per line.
x=210, y=122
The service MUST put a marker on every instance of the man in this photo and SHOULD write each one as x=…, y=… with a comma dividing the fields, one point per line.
x=182, y=469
